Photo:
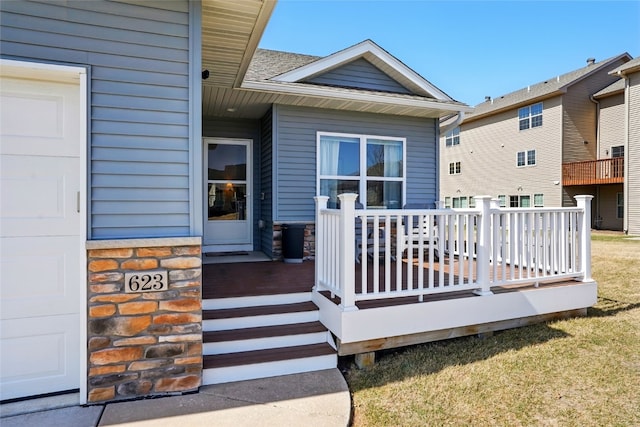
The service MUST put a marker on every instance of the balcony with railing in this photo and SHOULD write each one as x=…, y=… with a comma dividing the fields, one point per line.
x=399, y=276
x=603, y=171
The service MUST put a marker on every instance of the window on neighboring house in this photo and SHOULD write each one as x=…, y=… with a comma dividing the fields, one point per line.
x=620, y=205
x=526, y=158
x=530, y=116
x=454, y=168
x=447, y=202
x=513, y=201
x=503, y=200
x=460, y=202
x=472, y=202
x=617, y=151
x=525, y=201
x=452, y=137
x=370, y=166
x=618, y=165
x=538, y=200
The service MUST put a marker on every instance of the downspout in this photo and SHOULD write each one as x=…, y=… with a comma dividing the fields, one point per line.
x=594, y=219
x=441, y=132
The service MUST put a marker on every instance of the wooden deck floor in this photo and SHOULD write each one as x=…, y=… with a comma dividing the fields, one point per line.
x=275, y=277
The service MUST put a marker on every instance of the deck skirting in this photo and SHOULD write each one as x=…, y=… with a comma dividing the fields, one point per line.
x=389, y=326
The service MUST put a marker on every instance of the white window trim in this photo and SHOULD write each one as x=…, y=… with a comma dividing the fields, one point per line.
x=530, y=116
x=454, y=168
x=362, y=178
x=451, y=135
x=526, y=159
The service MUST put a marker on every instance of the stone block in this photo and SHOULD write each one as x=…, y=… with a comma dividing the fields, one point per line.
x=135, y=388
x=181, y=338
x=112, y=379
x=101, y=393
x=193, y=360
x=177, y=318
x=165, y=372
x=181, y=275
x=185, y=383
x=106, y=288
x=137, y=307
x=164, y=351
x=114, y=276
x=194, y=349
x=97, y=266
x=119, y=326
x=187, y=329
x=157, y=296
x=107, y=369
x=111, y=253
x=181, y=262
x=115, y=355
x=115, y=298
x=186, y=250
x=96, y=343
x=145, y=365
x=103, y=310
x=139, y=264
x=183, y=305
x=153, y=252
x=144, y=340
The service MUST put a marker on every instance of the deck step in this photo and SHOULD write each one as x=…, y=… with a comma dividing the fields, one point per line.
x=266, y=356
x=263, y=332
x=262, y=310
x=248, y=342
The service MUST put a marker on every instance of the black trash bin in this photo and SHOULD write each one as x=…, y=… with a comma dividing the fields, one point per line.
x=293, y=243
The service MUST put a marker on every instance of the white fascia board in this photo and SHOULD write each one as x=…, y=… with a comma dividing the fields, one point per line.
x=336, y=93
x=354, y=52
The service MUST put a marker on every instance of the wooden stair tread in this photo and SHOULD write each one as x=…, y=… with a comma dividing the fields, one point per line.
x=263, y=310
x=263, y=332
x=265, y=356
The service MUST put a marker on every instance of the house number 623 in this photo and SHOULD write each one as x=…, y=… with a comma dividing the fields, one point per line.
x=146, y=281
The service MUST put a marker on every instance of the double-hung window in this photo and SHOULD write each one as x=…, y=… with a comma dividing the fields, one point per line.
x=454, y=168
x=530, y=116
x=452, y=137
x=371, y=166
x=526, y=158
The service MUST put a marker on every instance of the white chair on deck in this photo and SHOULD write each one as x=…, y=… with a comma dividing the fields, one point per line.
x=369, y=246
x=419, y=230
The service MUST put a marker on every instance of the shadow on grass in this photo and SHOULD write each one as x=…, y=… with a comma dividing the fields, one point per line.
x=610, y=307
x=423, y=359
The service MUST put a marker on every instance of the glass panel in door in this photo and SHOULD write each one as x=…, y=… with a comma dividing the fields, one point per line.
x=228, y=213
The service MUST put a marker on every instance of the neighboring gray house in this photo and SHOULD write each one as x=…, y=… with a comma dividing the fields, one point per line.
x=138, y=135
x=547, y=141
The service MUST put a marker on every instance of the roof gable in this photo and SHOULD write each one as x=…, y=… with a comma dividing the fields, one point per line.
x=359, y=74
x=374, y=55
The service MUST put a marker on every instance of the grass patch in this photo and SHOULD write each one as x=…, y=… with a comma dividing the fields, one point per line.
x=576, y=372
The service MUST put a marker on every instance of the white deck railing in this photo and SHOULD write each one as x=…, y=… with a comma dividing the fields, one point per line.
x=366, y=254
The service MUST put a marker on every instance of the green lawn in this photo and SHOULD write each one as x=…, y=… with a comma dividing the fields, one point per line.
x=577, y=372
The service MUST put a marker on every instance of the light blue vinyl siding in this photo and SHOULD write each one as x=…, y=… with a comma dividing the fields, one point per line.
x=295, y=147
x=266, y=182
x=138, y=59
x=360, y=74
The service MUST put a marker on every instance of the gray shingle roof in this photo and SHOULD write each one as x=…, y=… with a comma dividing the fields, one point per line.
x=270, y=63
x=615, y=87
x=538, y=90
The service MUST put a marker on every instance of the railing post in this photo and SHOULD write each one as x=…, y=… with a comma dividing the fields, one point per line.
x=584, y=203
x=483, y=257
x=320, y=259
x=347, y=275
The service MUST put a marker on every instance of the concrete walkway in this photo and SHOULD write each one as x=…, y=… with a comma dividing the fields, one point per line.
x=310, y=399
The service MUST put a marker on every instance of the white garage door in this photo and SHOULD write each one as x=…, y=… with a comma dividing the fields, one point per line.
x=41, y=231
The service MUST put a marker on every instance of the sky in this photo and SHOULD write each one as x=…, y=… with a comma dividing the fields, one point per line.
x=468, y=49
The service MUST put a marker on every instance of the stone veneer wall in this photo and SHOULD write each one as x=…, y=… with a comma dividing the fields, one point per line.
x=148, y=343
x=309, y=241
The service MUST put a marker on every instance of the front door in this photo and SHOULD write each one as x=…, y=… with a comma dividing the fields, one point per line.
x=228, y=206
